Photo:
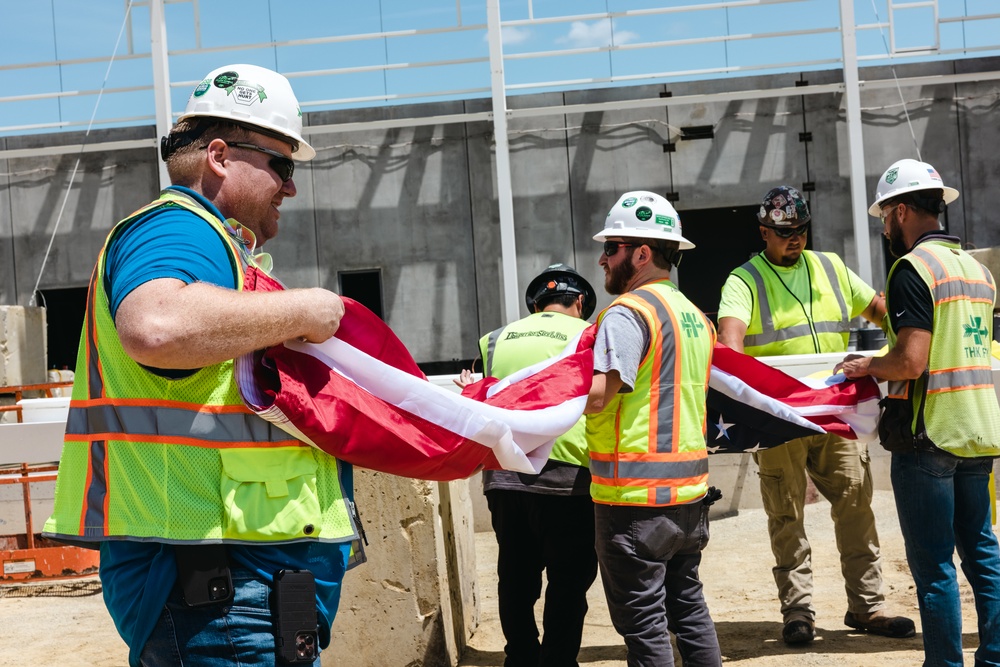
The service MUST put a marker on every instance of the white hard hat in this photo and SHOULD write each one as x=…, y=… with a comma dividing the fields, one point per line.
x=642, y=214
x=908, y=176
x=252, y=96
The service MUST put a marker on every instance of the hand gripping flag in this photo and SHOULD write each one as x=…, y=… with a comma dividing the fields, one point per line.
x=361, y=397
x=753, y=406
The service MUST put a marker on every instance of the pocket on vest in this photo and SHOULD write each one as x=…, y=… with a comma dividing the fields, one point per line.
x=269, y=494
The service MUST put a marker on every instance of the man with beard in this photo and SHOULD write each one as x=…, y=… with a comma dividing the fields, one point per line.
x=941, y=419
x=789, y=300
x=646, y=436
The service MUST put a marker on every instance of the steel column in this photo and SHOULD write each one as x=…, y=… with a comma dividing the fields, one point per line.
x=161, y=79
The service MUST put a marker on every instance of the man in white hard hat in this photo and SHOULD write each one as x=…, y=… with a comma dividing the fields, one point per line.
x=215, y=528
x=941, y=419
x=545, y=522
x=789, y=300
x=646, y=435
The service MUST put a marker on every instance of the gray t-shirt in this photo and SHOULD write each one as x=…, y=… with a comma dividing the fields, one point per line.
x=621, y=343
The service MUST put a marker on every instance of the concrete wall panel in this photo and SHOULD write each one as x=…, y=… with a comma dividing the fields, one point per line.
x=978, y=104
x=8, y=288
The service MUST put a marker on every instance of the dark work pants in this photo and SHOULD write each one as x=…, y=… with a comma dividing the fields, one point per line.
x=649, y=566
x=538, y=532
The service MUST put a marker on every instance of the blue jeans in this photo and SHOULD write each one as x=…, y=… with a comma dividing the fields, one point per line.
x=943, y=504
x=217, y=636
x=649, y=558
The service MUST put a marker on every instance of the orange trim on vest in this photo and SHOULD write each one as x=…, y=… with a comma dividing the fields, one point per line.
x=181, y=440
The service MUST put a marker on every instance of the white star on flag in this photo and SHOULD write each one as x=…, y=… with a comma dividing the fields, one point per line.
x=723, y=427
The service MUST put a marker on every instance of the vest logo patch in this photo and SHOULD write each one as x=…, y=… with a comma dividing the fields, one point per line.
x=691, y=325
x=978, y=333
x=513, y=335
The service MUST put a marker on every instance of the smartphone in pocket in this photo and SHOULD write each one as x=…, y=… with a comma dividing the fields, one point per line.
x=296, y=632
x=203, y=574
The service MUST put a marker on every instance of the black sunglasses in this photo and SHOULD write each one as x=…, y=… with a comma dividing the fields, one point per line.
x=611, y=247
x=786, y=232
x=282, y=166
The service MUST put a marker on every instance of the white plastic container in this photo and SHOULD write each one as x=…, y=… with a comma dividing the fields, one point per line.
x=44, y=409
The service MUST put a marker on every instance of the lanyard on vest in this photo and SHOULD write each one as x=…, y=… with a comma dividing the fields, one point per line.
x=808, y=315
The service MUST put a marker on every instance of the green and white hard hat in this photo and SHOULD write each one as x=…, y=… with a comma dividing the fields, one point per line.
x=909, y=175
x=642, y=214
x=254, y=97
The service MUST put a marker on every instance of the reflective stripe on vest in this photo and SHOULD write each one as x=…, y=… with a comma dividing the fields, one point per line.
x=643, y=457
x=768, y=334
x=961, y=415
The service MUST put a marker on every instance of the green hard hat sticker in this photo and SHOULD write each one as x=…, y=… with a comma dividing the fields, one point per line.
x=890, y=176
x=665, y=220
x=629, y=203
x=202, y=87
x=226, y=80
x=644, y=213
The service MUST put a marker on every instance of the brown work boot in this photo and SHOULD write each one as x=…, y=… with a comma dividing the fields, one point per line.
x=798, y=632
x=880, y=623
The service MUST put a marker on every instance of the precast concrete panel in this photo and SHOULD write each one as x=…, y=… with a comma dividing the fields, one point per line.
x=829, y=169
x=398, y=200
x=485, y=225
x=979, y=179
x=755, y=145
x=611, y=153
x=106, y=187
x=543, y=216
x=8, y=291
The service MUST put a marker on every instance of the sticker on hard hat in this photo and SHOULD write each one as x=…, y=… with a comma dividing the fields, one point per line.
x=202, y=87
x=247, y=94
x=644, y=213
x=226, y=80
x=890, y=176
x=647, y=198
x=934, y=175
x=777, y=215
x=665, y=220
x=630, y=202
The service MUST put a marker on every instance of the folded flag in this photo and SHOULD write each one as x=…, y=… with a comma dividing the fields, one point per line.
x=753, y=406
x=361, y=397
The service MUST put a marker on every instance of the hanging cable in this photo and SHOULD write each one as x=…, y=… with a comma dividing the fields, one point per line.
x=72, y=176
x=892, y=68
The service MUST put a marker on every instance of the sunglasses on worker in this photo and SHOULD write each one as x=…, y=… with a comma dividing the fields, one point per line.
x=786, y=232
x=282, y=166
x=611, y=247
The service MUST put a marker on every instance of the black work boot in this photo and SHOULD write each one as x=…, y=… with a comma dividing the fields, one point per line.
x=798, y=632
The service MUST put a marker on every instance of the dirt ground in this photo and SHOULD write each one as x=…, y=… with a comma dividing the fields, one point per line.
x=69, y=627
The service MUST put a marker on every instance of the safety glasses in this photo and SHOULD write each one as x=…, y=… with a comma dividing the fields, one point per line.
x=282, y=166
x=611, y=247
x=786, y=232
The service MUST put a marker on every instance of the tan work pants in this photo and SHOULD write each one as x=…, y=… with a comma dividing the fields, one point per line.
x=840, y=470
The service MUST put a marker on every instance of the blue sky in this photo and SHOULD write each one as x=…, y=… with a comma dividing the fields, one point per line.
x=47, y=30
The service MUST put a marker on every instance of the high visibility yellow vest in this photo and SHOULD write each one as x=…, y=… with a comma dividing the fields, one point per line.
x=182, y=461
x=778, y=325
x=520, y=344
x=647, y=447
x=960, y=410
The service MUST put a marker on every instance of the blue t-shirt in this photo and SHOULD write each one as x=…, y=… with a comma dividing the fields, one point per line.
x=138, y=576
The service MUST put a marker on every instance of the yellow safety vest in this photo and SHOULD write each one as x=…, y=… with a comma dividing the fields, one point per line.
x=778, y=325
x=182, y=461
x=647, y=447
x=955, y=397
x=520, y=344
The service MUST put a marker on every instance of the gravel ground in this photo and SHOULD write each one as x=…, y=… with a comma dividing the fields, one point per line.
x=67, y=625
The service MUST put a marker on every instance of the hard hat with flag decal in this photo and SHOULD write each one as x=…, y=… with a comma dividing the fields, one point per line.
x=909, y=175
x=643, y=214
x=560, y=279
x=250, y=96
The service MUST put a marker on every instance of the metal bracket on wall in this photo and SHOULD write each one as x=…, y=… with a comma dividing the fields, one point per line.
x=698, y=132
x=801, y=83
x=805, y=137
x=669, y=147
x=672, y=197
x=809, y=186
